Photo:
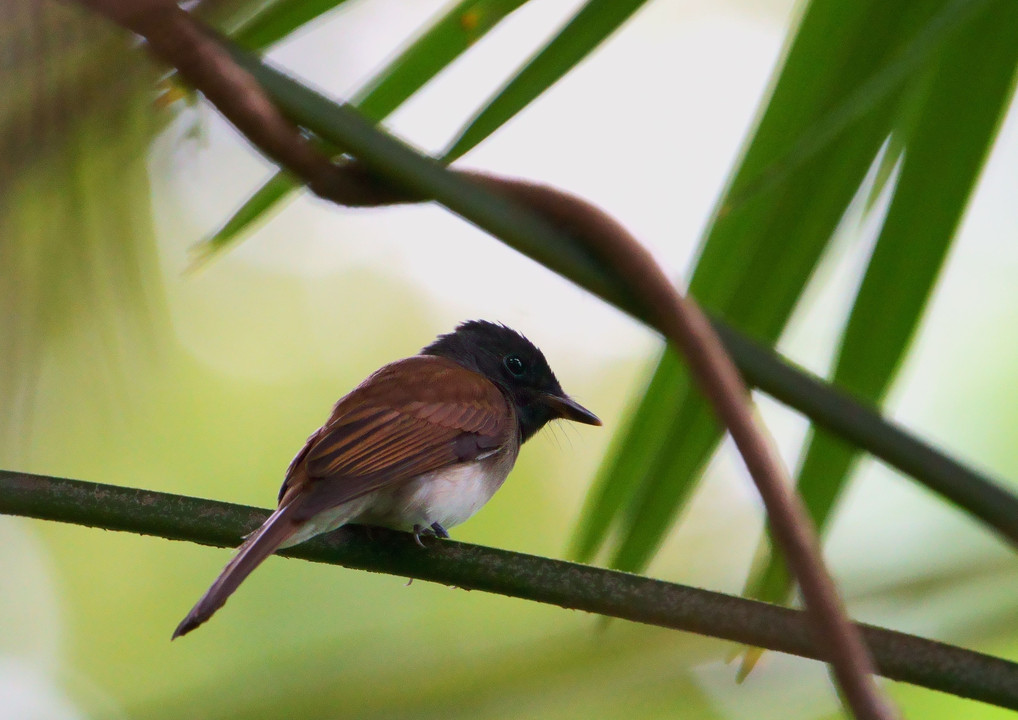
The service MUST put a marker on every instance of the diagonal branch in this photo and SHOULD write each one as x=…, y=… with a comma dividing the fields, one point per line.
x=899, y=656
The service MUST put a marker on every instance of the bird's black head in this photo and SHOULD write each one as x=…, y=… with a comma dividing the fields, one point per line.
x=516, y=365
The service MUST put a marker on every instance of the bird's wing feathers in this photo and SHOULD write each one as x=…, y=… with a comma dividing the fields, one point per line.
x=411, y=417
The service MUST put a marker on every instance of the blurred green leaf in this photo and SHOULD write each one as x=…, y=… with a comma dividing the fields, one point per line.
x=256, y=208
x=961, y=108
x=587, y=29
x=328, y=674
x=278, y=20
x=760, y=251
x=642, y=436
x=77, y=253
x=448, y=37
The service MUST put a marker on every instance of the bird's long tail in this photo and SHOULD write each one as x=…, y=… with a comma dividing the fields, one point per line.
x=264, y=541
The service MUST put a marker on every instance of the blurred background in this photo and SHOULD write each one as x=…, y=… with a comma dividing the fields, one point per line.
x=123, y=365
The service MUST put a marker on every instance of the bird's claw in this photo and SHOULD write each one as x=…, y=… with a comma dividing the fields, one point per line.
x=418, y=531
x=436, y=529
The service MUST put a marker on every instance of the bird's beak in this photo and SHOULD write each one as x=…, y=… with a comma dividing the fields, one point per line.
x=568, y=409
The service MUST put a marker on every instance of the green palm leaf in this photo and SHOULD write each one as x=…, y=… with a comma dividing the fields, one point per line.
x=769, y=232
x=944, y=146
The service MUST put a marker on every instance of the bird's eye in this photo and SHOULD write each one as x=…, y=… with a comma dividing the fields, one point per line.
x=514, y=365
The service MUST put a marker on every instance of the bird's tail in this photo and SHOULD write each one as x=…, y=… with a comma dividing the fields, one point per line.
x=264, y=541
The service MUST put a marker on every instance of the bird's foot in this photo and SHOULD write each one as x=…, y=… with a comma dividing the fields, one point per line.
x=436, y=529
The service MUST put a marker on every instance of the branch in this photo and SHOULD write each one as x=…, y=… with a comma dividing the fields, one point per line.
x=684, y=324
x=899, y=656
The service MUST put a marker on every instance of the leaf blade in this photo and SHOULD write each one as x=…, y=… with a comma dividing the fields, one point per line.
x=257, y=208
x=279, y=20
x=587, y=29
x=448, y=37
x=944, y=153
x=761, y=249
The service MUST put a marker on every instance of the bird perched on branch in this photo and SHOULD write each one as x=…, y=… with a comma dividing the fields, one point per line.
x=419, y=446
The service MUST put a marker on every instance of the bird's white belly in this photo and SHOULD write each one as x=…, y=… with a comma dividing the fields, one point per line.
x=447, y=497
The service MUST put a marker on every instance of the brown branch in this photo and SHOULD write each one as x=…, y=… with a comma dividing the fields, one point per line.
x=179, y=40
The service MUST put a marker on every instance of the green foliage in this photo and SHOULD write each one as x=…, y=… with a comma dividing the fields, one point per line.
x=804, y=165
x=277, y=19
x=76, y=237
x=945, y=136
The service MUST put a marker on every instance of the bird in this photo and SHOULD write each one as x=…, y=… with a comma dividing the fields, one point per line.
x=419, y=446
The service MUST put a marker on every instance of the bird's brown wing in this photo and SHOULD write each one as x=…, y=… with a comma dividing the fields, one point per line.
x=411, y=417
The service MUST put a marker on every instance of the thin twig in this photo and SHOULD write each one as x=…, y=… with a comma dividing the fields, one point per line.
x=179, y=40
x=899, y=656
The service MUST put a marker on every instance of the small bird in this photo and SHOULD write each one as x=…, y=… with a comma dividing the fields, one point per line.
x=419, y=446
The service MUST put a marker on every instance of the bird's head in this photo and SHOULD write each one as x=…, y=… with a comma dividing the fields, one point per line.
x=518, y=367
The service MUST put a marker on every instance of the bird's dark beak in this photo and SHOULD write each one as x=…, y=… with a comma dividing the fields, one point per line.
x=568, y=409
